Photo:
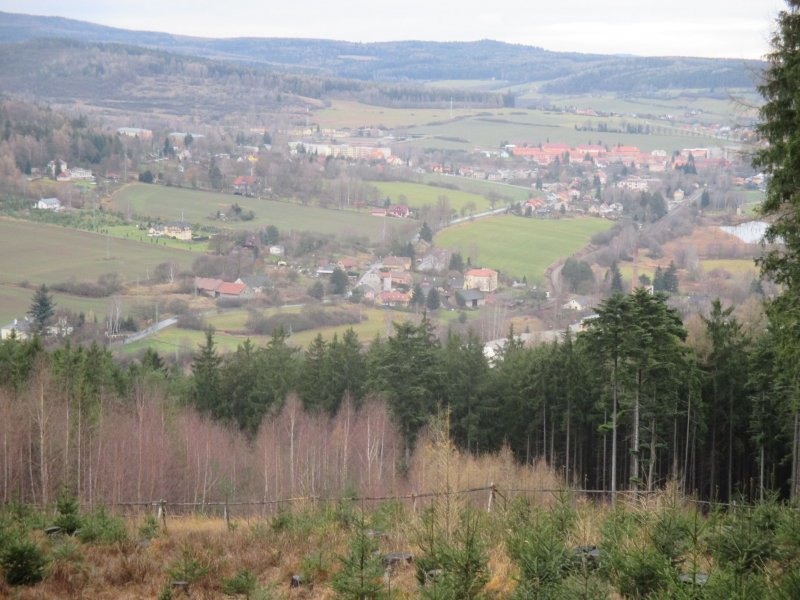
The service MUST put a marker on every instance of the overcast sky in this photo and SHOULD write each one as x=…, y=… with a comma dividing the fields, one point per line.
x=732, y=28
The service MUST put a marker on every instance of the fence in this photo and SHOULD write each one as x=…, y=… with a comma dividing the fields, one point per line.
x=490, y=497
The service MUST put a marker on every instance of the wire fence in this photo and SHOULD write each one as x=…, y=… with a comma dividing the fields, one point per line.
x=484, y=496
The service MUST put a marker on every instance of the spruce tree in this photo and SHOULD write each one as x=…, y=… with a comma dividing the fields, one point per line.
x=361, y=576
x=42, y=309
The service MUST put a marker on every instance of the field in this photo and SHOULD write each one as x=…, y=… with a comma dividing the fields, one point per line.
x=535, y=127
x=229, y=327
x=482, y=187
x=54, y=254
x=15, y=302
x=418, y=195
x=201, y=207
x=518, y=246
x=488, y=128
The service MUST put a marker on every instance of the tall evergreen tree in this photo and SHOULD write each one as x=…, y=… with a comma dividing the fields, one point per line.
x=780, y=160
x=206, y=370
x=42, y=309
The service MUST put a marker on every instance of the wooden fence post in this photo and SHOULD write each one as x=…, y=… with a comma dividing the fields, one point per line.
x=492, y=490
x=161, y=514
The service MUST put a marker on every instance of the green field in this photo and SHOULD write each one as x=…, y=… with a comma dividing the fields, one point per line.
x=517, y=246
x=40, y=253
x=733, y=266
x=15, y=302
x=228, y=326
x=535, y=127
x=418, y=195
x=200, y=208
x=482, y=187
x=343, y=113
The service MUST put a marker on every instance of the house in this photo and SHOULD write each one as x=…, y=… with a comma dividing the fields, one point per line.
x=435, y=261
x=230, y=290
x=254, y=284
x=53, y=204
x=174, y=229
x=397, y=263
x=393, y=298
x=471, y=298
x=371, y=280
x=572, y=304
x=207, y=285
x=399, y=211
x=244, y=185
x=277, y=250
x=483, y=279
x=21, y=329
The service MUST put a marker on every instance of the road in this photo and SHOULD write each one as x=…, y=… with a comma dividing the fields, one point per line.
x=140, y=335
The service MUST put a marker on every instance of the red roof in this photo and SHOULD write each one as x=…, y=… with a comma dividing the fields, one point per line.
x=230, y=289
x=244, y=180
x=207, y=283
x=481, y=273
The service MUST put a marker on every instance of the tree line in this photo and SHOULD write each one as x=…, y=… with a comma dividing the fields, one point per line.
x=625, y=404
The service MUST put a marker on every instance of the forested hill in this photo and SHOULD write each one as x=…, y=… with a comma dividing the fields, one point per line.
x=127, y=78
x=558, y=72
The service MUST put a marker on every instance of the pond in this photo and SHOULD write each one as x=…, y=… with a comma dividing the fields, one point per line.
x=751, y=232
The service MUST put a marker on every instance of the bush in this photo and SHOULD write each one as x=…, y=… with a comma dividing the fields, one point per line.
x=186, y=567
x=243, y=583
x=100, y=527
x=23, y=562
x=68, y=518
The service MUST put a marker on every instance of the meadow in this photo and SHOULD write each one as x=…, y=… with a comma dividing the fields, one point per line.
x=479, y=186
x=538, y=127
x=199, y=207
x=54, y=254
x=230, y=331
x=15, y=302
x=488, y=128
x=418, y=195
x=519, y=247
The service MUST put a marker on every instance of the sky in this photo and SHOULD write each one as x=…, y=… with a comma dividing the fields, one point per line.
x=717, y=28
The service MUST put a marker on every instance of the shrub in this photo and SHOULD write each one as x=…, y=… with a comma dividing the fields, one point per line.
x=537, y=546
x=149, y=529
x=23, y=562
x=243, y=583
x=186, y=567
x=68, y=518
x=361, y=575
x=101, y=527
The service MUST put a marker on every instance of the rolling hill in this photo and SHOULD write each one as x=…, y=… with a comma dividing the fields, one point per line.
x=415, y=61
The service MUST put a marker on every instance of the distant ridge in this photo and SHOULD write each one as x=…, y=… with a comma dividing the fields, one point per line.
x=417, y=61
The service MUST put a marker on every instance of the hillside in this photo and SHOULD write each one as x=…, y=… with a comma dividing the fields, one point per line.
x=405, y=61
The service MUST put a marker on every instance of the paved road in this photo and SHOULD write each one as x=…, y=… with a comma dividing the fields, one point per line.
x=140, y=335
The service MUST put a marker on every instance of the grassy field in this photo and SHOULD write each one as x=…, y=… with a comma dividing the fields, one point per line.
x=343, y=113
x=487, y=128
x=41, y=253
x=733, y=266
x=535, y=127
x=418, y=195
x=201, y=207
x=482, y=187
x=517, y=246
x=229, y=326
x=15, y=302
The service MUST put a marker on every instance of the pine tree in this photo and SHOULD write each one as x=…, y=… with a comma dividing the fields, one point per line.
x=206, y=370
x=425, y=232
x=42, y=309
x=616, y=278
x=361, y=575
x=432, y=301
